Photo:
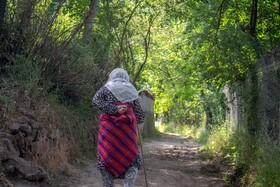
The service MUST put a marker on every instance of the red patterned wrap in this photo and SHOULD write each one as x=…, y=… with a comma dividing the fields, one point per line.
x=117, y=140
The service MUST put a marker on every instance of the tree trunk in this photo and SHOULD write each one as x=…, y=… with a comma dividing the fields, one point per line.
x=25, y=10
x=88, y=23
x=253, y=122
x=2, y=13
x=24, y=13
x=209, y=118
x=253, y=19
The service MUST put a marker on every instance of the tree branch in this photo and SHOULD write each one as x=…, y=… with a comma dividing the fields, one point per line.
x=126, y=24
x=219, y=11
x=147, y=40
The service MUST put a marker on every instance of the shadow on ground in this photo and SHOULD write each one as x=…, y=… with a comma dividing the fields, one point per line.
x=170, y=161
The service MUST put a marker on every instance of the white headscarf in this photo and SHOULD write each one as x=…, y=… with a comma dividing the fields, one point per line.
x=118, y=83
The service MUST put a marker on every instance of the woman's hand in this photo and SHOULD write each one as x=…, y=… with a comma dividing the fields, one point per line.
x=122, y=109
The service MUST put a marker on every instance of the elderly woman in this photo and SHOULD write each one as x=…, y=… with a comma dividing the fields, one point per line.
x=118, y=153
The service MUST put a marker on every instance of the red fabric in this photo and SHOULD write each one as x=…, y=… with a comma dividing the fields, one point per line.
x=117, y=140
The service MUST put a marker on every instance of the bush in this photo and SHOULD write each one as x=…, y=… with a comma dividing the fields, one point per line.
x=252, y=167
x=27, y=79
x=221, y=143
x=267, y=166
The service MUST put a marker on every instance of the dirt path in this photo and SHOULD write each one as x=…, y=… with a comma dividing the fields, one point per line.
x=171, y=161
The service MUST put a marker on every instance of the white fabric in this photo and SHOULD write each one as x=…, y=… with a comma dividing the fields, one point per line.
x=118, y=83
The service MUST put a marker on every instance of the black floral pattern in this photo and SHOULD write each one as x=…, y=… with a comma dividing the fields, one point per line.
x=104, y=100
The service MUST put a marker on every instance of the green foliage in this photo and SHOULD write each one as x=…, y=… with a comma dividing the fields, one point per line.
x=221, y=143
x=81, y=75
x=77, y=124
x=266, y=169
x=24, y=85
x=202, y=135
x=28, y=75
x=6, y=97
x=232, y=148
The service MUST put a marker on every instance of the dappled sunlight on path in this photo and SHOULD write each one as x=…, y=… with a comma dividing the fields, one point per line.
x=174, y=161
x=170, y=161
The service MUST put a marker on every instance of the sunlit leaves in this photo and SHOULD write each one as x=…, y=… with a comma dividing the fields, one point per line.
x=188, y=47
x=198, y=42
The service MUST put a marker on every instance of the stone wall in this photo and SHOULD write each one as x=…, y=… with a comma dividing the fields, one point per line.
x=268, y=103
x=27, y=143
x=147, y=100
x=233, y=104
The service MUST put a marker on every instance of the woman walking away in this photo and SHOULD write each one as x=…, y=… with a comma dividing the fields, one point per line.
x=118, y=152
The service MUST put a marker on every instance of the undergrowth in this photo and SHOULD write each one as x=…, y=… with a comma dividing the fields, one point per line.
x=24, y=85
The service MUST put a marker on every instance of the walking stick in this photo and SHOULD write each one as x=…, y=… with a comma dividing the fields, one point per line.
x=140, y=141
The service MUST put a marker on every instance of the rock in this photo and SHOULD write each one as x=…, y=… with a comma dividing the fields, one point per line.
x=9, y=166
x=20, y=143
x=26, y=129
x=7, y=135
x=4, y=181
x=35, y=136
x=29, y=146
x=20, y=168
x=10, y=147
x=14, y=128
x=34, y=124
x=35, y=148
x=31, y=115
x=20, y=140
